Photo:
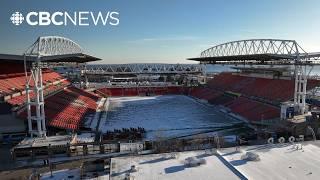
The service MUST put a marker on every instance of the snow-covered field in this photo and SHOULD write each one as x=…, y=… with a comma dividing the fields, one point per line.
x=167, y=115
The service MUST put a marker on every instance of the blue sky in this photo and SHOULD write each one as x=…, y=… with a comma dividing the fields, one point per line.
x=167, y=31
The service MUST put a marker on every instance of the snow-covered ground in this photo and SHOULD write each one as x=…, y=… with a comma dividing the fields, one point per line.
x=167, y=115
x=171, y=166
x=277, y=161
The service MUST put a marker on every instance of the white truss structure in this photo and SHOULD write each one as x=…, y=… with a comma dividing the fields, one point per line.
x=113, y=69
x=254, y=47
x=286, y=49
x=52, y=46
x=44, y=46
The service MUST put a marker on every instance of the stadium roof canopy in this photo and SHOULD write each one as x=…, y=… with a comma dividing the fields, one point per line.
x=255, y=50
x=52, y=49
x=77, y=58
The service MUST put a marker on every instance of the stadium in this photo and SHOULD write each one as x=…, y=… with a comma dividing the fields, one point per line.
x=166, y=90
x=47, y=103
x=53, y=102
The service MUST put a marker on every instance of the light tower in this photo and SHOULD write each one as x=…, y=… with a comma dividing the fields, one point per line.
x=300, y=88
x=34, y=87
x=45, y=50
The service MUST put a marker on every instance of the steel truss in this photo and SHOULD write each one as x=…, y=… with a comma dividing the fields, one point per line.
x=53, y=45
x=253, y=47
x=44, y=46
x=112, y=69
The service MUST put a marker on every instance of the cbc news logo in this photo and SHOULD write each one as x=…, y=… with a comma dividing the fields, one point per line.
x=77, y=18
x=17, y=18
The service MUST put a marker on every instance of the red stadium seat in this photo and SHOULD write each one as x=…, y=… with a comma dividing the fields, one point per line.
x=135, y=91
x=67, y=108
x=251, y=88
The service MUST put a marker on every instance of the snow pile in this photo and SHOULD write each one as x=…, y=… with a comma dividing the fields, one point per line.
x=193, y=162
x=250, y=156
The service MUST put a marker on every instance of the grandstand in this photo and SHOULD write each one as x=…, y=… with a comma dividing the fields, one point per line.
x=254, y=98
x=275, y=90
x=67, y=108
x=13, y=88
x=258, y=93
x=65, y=105
x=140, y=90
